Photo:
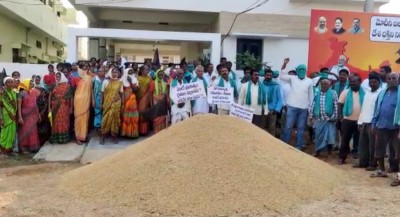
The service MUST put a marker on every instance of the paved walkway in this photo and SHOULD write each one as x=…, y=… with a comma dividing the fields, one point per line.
x=95, y=151
x=87, y=153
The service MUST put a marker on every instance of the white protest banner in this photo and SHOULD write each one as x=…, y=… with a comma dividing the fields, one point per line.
x=220, y=95
x=241, y=112
x=188, y=92
x=385, y=29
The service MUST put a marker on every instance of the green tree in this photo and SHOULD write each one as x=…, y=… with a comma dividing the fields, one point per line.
x=248, y=59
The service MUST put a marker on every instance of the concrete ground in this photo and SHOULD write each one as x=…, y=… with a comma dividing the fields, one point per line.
x=86, y=153
x=95, y=151
x=70, y=152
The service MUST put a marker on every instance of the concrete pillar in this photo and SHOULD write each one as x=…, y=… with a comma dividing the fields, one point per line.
x=369, y=6
x=93, y=48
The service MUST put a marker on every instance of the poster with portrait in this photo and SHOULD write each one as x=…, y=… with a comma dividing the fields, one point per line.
x=368, y=41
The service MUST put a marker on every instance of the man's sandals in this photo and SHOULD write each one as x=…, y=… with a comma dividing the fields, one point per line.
x=379, y=174
x=396, y=182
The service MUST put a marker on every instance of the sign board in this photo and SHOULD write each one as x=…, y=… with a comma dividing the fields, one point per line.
x=367, y=40
x=241, y=112
x=385, y=29
x=220, y=95
x=188, y=92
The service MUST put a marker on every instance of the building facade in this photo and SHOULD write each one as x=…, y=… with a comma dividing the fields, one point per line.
x=34, y=31
x=272, y=31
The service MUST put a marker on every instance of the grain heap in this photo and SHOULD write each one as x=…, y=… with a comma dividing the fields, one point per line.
x=207, y=165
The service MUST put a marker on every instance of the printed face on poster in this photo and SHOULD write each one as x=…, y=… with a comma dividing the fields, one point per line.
x=241, y=112
x=368, y=41
x=220, y=95
x=188, y=92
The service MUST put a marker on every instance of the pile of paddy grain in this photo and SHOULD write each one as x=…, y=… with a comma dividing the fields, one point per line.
x=206, y=166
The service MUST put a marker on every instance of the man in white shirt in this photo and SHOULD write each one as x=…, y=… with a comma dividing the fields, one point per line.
x=336, y=69
x=366, y=145
x=200, y=105
x=225, y=81
x=298, y=103
x=384, y=70
x=252, y=95
x=179, y=111
x=210, y=75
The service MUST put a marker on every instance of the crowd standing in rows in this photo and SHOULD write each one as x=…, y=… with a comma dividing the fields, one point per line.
x=122, y=99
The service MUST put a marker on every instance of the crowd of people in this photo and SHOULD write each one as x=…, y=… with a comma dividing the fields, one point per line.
x=121, y=99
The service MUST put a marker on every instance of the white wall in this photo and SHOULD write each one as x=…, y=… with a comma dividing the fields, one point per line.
x=275, y=50
x=12, y=32
x=229, y=50
x=17, y=33
x=41, y=16
x=26, y=70
x=301, y=7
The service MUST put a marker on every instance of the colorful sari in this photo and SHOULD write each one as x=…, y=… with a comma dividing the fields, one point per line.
x=130, y=115
x=60, y=108
x=28, y=138
x=97, y=85
x=82, y=101
x=111, y=108
x=160, y=92
x=146, y=88
x=44, y=127
x=9, y=111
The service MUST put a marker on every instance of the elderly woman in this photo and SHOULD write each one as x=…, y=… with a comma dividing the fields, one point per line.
x=28, y=117
x=60, y=105
x=8, y=117
x=160, y=92
x=112, y=100
x=130, y=114
x=96, y=98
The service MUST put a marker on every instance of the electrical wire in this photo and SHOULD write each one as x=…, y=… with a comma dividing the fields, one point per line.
x=237, y=15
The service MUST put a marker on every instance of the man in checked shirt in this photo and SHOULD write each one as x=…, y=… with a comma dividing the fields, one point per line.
x=324, y=112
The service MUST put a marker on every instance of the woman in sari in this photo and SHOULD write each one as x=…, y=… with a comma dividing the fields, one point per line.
x=144, y=95
x=160, y=92
x=28, y=117
x=130, y=114
x=82, y=100
x=112, y=100
x=96, y=98
x=44, y=127
x=60, y=106
x=8, y=119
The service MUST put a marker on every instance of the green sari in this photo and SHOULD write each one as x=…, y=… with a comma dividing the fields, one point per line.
x=9, y=112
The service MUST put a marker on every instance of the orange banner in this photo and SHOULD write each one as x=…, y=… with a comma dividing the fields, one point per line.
x=368, y=41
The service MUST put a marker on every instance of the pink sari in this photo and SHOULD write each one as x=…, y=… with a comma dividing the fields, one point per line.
x=28, y=138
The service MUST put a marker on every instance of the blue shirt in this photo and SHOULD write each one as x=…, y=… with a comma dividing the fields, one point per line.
x=274, y=97
x=386, y=113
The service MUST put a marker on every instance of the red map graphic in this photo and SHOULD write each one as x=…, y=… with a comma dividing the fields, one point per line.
x=339, y=48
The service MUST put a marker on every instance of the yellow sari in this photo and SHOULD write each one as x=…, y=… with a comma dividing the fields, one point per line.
x=112, y=108
x=82, y=103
